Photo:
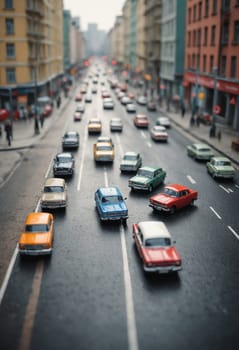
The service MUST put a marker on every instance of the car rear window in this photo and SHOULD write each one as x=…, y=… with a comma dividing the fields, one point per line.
x=51, y=189
x=112, y=199
x=37, y=228
x=158, y=242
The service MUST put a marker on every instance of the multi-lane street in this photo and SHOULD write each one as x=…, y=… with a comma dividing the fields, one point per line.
x=92, y=293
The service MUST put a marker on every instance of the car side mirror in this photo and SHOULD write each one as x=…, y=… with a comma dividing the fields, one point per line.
x=125, y=198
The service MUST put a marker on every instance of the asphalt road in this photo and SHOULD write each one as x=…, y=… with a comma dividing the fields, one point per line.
x=92, y=293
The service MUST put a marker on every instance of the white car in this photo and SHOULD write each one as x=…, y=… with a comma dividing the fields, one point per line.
x=142, y=100
x=163, y=121
x=54, y=194
x=131, y=161
x=108, y=103
x=116, y=124
x=159, y=133
x=131, y=108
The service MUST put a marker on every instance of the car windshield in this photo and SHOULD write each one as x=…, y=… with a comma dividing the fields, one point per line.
x=146, y=173
x=37, y=228
x=70, y=135
x=63, y=159
x=52, y=189
x=223, y=163
x=170, y=192
x=130, y=157
x=104, y=148
x=204, y=149
x=158, y=242
x=112, y=199
x=94, y=122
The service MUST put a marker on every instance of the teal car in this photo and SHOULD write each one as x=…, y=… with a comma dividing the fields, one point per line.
x=220, y=167
x=147, y=178
x=200, y=151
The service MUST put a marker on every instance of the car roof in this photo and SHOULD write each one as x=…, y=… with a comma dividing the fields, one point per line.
x=149, y=168
x=104, y=139
x=221, y=159
x=141, y=116
x=159, y=127
x=109, y=191
x=64, y=154
x=201, y=145
x=71, y=133
x=131, y=153
x=94, y=120
x=177, y=187
x=37, y=218
x=153, y=229
x=54, y=181
x=104, y=143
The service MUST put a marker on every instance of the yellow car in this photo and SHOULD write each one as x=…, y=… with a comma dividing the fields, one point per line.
x=94, y=126
x=37, y=235
x=104, y=152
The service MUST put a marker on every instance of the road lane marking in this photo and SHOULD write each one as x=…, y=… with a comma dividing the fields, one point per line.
x=8, y=274
x=120, y=146
x=233, y=232
x=82, y=158
x=230, y=190
x=214, y=211
x=224, y=188
x=191, y=179
x=236, y=186
x=106, y=177
x=149, y=144
x=131, y=324
x=28, y=324
x=143, y=134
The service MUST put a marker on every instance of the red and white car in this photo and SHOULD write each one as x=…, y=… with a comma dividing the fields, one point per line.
x=172, y=198
x=141, y=121
x=156, y=248
x=159, y=133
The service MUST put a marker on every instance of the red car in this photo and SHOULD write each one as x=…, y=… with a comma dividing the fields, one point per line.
x=77, y=116
x=156, y=248
x=78, y=97
x=141, y=121
x=172, y=198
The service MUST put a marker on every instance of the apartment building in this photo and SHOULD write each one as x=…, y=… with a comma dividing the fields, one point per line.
x=211, y=78
x=31, y=49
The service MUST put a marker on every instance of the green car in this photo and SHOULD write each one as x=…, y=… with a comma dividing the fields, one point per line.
x=147, y=178
x=220, y=167
x=200, y=151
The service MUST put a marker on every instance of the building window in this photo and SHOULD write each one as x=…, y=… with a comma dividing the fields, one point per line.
x=205, y=36
x=189, y=15
x=200, y=10
x=11, y=75
x=225, y=33
x=206, y=8
x=214, y=7
x=236, y=32
x=223, y=65
x=189, y=39
x=9, y=26
x=237, y=2
x=233, y=66
x=10, y=50
x=199, y=37
x=226, y=5
x=8, y=4
x=211, y=63
x=204, y=63
x=194, y=13
x=213, y=36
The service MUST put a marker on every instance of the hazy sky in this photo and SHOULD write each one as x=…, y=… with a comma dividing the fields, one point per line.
x=102, y=12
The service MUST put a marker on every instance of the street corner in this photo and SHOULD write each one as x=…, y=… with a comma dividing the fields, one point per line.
x=8, y=163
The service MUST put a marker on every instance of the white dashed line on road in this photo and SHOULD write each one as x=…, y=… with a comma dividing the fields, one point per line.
x=143, y=134
x=214, y=211
x=82, y=158
x=149, y=144
x=233, y=232
x=191, y=179
x=224, y=189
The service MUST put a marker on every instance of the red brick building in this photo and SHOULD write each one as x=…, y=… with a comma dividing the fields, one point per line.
x=211, y=75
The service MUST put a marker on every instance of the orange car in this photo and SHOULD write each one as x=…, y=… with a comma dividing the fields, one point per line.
x=37, y=236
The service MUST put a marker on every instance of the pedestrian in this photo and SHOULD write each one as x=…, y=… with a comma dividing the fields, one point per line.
x=183, y=109
x=8, y=131
x=192, y=120
x=219, y=135
x=36, y=126
x=58, y=101
x=42, y=119
x=0, y=130
x=212, y=131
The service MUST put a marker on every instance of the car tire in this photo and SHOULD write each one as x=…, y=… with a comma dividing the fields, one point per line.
x=192, y=202
x=173, y=210
x=150, y=188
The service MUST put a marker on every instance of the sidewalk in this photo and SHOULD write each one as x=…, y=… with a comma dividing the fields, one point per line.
x=23, y=138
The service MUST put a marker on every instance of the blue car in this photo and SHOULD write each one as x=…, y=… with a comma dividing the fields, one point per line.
x=110, y=204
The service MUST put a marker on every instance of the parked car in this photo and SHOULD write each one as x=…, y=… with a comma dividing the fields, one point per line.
x=159, y=133
x=220, y=167
x=147, y=178
x=110, y=204
x=200, y=151
x=116, y=124
x=163, y=121
x=70, y=140
x=131, y=161
x=156, y=247
x=63, y=164
x=37, y=235
x=172, y=198
x=130, y=108
x=141, y=121
x=94, y=126
x=54, y=195
x=103, y=152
